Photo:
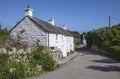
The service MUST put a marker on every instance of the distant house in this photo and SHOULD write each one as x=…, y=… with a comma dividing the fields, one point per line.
x=33, y=31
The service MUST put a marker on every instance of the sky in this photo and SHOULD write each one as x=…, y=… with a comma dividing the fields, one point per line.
x=78, y=15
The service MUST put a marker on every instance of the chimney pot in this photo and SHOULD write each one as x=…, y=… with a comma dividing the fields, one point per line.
x=28, y=11
x=51, y=21
x=64, y=27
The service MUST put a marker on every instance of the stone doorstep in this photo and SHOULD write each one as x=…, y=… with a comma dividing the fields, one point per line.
x=68, y=58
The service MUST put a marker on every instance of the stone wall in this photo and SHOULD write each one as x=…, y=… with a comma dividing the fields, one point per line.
x=14, y=50
x=55, y=53
x=29, y=33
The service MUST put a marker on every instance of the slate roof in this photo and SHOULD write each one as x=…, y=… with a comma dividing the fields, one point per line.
x=46, y=26
x=49, y=27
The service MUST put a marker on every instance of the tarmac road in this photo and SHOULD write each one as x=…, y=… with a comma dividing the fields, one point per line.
x=87, y=64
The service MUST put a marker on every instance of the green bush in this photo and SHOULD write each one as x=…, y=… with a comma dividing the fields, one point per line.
x=4, y=56
x=31, y=69
x=38, y=57
x=48, y=63
x=41, y=48
x=52, y=48
x=17, y=70
x=114, y=51
x=4, y=67
x=107, y=39
x=71, y=51
x=10, y=69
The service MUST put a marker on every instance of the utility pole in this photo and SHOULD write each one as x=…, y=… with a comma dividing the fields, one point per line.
x=109, y=21
x=0, y=26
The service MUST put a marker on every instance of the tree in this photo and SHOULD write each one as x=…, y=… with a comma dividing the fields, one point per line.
x=104, y=37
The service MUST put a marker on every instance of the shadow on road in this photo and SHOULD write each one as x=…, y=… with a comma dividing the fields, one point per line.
x=105, y=69
x=106, y=60
x=86, y=51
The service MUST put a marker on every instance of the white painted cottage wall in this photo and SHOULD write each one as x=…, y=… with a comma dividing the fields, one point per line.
x=52, y=40
x=70, y=43
x=60, y=41
x=65, y=46
x=30, y=33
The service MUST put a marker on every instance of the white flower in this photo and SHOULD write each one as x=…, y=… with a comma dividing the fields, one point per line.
x=12, y=70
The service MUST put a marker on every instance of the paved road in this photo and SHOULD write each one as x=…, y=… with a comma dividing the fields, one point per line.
x=86, y=65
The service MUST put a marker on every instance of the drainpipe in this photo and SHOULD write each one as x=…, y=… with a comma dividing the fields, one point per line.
x=48, y=39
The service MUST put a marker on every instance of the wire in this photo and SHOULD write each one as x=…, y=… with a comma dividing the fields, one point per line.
x=115, y=18
x=97, y=22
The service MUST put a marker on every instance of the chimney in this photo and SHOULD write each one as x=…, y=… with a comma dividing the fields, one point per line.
x=28, y=11
x=64, y=27
x=51, y=21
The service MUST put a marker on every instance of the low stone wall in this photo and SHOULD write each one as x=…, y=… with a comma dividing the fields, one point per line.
x=55, y=53
x=13, y=50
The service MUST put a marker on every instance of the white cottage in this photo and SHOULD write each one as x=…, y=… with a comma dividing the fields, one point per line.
x=33, y=31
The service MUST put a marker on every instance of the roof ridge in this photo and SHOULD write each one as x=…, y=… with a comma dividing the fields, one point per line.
x=46, y=26
x=49, y=27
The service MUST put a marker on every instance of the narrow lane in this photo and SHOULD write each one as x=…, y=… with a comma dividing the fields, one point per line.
x=87, y=64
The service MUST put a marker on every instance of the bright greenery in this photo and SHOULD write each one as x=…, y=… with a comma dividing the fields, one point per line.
x=43, y=59
x=20, y=66
x=48, y=63
x=105, y=38
x=10, y=69
x=3, y=32
x=4, y=36
x=114, y=52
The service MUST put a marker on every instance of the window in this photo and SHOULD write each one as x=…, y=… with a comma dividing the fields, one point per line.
x=56, y=36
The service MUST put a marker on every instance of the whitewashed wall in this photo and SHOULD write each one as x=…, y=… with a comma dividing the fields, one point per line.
x=29, y=33
x=59, y=41
x=64, y=46
x=70, y=43
x=65, y=43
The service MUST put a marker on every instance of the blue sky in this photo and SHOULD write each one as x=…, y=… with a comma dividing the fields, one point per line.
x=78, y=15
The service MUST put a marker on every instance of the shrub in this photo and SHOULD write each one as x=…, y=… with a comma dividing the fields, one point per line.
x=41, y=48
x=114, y=51
x=38, y=57
x=10, y=69
x=17, y=70
x=3, y=66
x=52, y=48
x=71, y=52
x=31, y=69
x=48, y=63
